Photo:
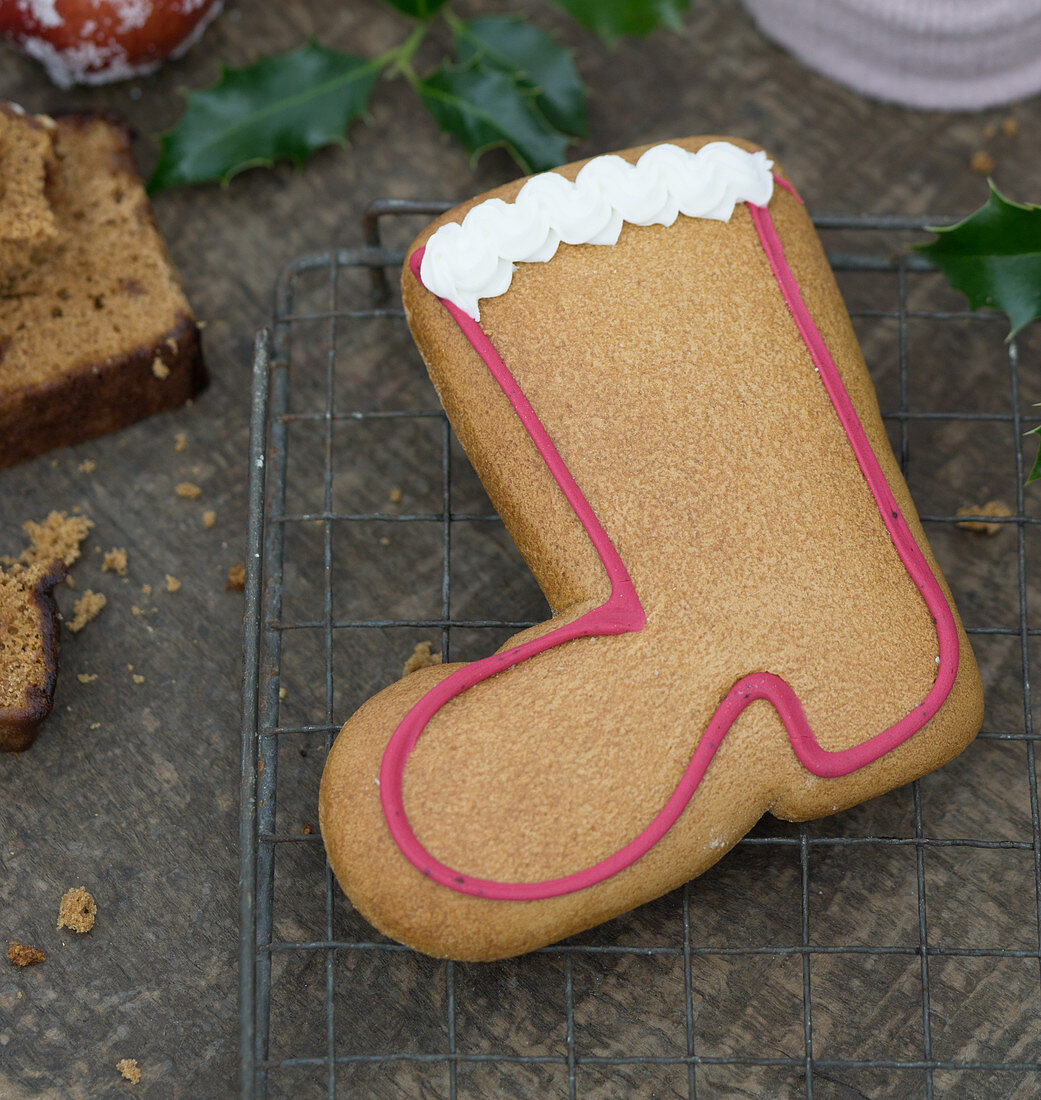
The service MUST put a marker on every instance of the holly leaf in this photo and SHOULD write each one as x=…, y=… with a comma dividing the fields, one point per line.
x=417, y=9
x=286, y=106
x=515, y=47
x=993, y=257
x=486, y=108
x=613, y=18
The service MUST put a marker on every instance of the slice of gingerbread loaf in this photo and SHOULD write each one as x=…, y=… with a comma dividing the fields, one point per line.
x=96, y=333
x=27, y=164
x=28, y=650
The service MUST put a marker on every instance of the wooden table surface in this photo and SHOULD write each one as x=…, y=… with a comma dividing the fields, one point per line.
x=131, y=789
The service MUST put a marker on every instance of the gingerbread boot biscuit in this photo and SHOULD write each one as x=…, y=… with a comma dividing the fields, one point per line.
x=651, y=368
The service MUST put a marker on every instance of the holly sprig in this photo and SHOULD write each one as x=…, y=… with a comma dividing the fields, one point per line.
x=994, y=258
x=508, y=85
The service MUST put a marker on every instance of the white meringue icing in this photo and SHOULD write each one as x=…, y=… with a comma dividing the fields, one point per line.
x=473, y=260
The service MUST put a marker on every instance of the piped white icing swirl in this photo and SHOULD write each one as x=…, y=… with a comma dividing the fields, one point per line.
x=467, y=261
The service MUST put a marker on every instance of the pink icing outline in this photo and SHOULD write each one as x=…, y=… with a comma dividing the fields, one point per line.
x=787, y=186
x=623, y=612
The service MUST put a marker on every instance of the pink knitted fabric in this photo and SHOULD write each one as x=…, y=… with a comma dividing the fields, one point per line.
x=948, y=54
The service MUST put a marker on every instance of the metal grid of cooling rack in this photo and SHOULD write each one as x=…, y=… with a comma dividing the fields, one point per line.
x=954, y=1017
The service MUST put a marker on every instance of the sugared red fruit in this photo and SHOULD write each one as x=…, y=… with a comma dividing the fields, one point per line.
x=98, y=41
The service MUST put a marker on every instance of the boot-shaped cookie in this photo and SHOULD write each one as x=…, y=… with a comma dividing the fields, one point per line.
x=650, y=366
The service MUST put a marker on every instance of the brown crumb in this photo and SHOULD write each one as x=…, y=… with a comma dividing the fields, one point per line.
x=87, y=607
x=395, y=495
x=209, y=518
x=87, y=466
x=136, y=611
x=22, y=954
x=138, y=678
x=236, y=578
x=172, y=584
x=181, y=441
x=981, y=162
x=992, y=508
x=58, y=536
x=421, y=658
x=1010, y=126
x=306, y=830
x=115, y=561
x=188, y=490
x=160, y=369
x=384, y=541
x=129, y=1068
x=78, y=910
x=86, y=677
x=70, y=581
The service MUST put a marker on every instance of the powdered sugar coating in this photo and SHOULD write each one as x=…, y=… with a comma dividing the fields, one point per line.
x=132, y=14
x=45, y=12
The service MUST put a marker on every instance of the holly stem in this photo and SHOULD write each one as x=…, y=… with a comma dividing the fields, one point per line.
x=398, y=59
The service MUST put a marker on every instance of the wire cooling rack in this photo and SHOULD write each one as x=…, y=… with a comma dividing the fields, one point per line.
x=889, y=951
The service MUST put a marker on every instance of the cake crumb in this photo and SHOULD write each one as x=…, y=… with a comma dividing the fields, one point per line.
x=992, y=508
x=384, y=541
x=87, y=466
x=87, y=607
x=236, y=578
x=306, y=830
x=58, y=536
x=23, y=954
x=1010, y=126
x=136, y=611
x=981, y=162
x=395, y=495
x=160, y=369
x=138, y=678
x=209, y=518
x=129, y=1068
x=181, y=442
x=421, y=658
x=283, y=692
x=188, y=490
x=172, y=584
x=78, y=910
x=94, y=726
x=86, y=677
x=115, y=561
